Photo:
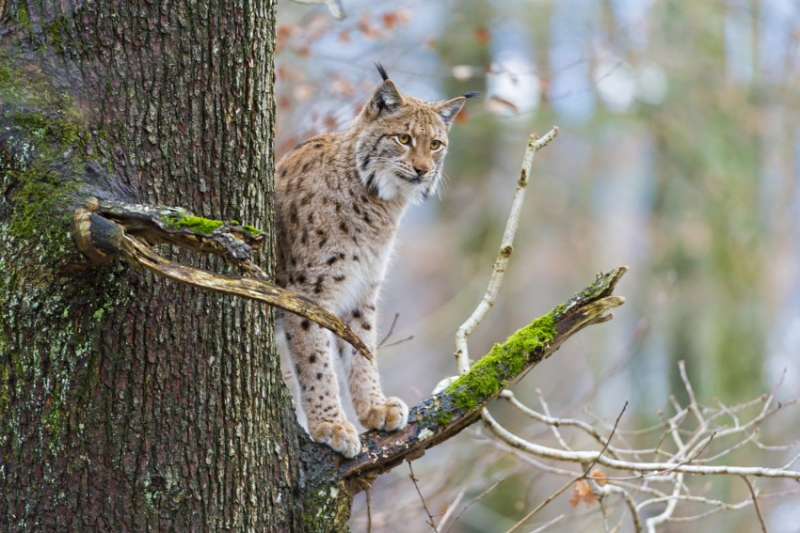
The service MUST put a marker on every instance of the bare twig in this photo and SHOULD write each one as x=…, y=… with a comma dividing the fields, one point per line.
x=401, y=341
x=610, y=436
x=391, y=330
x=506, y=247
x=690, y=391
x=554, y=427
x=629, y=503
x=452, y=508
x=560, y=491
x=369, y=510
x=473, y=501
x=542, y=505
x=422, y=499
x=549, y=523
x=584, y=456
x=755, y=504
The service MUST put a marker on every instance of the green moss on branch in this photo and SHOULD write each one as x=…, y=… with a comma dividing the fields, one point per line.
x=42, y=143
x=490, y=375
x=203, y=226
x=252, y=230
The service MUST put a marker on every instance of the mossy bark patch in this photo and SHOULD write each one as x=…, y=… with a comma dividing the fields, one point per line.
x=42, y=144
x=491, y=373
x=204, y=226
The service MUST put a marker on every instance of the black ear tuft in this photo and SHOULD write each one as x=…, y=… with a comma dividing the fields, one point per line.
x=472, y=94
x=385, y=99
x=382, y=71
x=450, y=108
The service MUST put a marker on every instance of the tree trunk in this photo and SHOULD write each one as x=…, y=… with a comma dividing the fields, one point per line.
x=128, y=402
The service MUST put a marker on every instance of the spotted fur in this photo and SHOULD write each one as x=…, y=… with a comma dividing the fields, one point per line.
x=339, y=199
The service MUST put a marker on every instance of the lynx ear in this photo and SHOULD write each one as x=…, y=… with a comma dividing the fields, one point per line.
x=450, y=108
x=385, y=100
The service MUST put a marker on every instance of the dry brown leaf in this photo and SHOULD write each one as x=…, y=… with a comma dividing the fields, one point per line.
x=599, y=476
x=582, y=492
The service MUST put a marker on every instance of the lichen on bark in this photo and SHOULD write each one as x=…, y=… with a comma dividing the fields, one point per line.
x=48, y=324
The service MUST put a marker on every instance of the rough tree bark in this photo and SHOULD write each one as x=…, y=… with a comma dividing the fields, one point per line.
x=132, y=403
x=128, y=402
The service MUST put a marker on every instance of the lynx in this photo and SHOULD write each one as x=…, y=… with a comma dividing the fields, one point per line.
x=339, y=199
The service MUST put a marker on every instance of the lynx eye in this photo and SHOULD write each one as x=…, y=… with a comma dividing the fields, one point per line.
x=403, y=138
x=436, y=144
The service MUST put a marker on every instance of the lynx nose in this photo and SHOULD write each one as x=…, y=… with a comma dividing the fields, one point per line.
x=421, y=170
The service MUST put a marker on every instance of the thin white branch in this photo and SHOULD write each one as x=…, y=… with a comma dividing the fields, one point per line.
x=554, y=427
x=665, y=515
x=792, y=462
x=687, y=498
x=608, y=489
x=726, y=451
x=506, y=247
x=474, y=500
x=547, y=525
x=448, y=514
x=669, y=510
x=727, y=411
x=579, y=424
x=774, y=447
x=693, y=405
x=586, y=457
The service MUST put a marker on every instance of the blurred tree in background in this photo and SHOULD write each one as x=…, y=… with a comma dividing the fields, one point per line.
x=679, y=156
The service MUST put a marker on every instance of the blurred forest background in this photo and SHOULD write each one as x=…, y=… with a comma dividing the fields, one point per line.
x=679, y=156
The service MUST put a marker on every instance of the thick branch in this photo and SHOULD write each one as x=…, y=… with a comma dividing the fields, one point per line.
x=157, y=224
x=443, y=415
x=115, y=228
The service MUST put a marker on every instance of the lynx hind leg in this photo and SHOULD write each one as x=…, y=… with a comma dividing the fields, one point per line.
x=311, y=349
x=374, y=410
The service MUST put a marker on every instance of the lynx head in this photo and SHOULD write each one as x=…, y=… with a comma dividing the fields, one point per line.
x=402, y=141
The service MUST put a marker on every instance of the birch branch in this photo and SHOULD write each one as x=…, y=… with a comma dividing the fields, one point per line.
x=503, y=256
x=633, y=466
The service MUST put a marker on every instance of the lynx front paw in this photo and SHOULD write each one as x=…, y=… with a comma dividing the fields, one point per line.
x=342, y=437
x=391, y=415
